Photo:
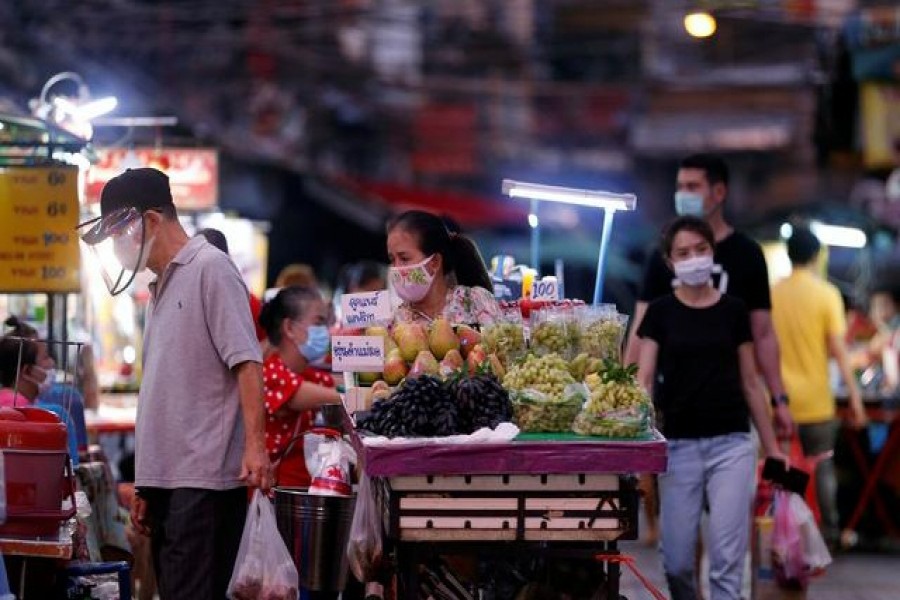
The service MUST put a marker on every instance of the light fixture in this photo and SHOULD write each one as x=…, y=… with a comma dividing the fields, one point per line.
x=786, y=230
x=837, y=235
x=610, y=202
x=700, y=24
x=73, y=113
x=552, y=193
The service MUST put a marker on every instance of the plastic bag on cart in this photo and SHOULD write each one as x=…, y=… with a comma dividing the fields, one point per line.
x=365, y=547
x=536, y=411
x=264, y=569
x=799, y=552
x=328, y=459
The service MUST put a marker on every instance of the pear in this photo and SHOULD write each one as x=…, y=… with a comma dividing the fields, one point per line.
x=468, y=338
x=425, y=364
x=441, y=338
x=394, y=367
x=378, y=330
x=453, y=362
x=411, y=339
x=367, y=378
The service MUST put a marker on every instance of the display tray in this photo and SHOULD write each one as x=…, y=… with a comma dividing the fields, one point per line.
x=577, y=455
x=527, y=436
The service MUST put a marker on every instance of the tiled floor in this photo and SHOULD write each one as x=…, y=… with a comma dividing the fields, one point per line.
x=851, y=577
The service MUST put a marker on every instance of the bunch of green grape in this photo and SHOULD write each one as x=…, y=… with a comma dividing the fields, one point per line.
x=602, y=338
x=552, y=337
x=548, y=374
x=506, y=340
x=615, y=396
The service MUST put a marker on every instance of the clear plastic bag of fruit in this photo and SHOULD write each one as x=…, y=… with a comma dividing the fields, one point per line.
x=505, y=336
x=554, y=331
x=601, y=331
x=629, y=423
x=536, y=411
x=264, y=568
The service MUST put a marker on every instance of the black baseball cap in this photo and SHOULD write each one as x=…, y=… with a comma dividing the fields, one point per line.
x=138, y=189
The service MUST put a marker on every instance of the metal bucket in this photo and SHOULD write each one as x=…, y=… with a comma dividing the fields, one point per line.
x=316, y=530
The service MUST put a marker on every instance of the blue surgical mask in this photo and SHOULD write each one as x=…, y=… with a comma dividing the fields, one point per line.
x=316, y=345
x=689, y=204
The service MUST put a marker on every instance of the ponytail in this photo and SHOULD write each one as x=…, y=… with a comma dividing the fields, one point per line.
x=289, y=303
x=467, y=263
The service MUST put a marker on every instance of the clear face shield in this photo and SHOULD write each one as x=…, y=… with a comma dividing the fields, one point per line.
x=119, y=246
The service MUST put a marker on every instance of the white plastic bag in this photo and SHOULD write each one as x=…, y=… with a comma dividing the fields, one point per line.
x=264, y=569
x=328, y=458
x=364, y=548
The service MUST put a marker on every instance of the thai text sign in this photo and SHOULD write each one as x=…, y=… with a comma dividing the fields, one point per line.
x=357, y=353
x=39, y=249
x=363, y=310
x=193, y=173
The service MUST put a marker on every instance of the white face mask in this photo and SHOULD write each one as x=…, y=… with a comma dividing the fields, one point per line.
x=696, y=271
x=44, y=384
x=412, y=282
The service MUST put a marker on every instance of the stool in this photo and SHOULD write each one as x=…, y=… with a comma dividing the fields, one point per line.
x=121, y=568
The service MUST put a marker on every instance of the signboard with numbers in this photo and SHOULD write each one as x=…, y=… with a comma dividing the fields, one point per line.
x=39, y=249
x=547, y=289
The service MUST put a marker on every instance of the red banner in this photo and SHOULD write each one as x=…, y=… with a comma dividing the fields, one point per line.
x=193, y=173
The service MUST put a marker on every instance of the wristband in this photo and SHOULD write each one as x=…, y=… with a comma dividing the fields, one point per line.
x=780, y=400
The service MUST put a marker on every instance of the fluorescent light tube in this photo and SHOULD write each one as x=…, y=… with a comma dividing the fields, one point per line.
x=580, y=197
x=836, y=235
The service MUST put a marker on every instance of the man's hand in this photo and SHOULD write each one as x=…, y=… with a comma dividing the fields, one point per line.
x=858, y=416
x=784, y=423
x=256, y=470
x=139, y=519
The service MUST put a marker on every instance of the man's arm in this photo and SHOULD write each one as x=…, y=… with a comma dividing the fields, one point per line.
x=633, y=345
x=255, y=467
x=768, y=359
x=838, y=350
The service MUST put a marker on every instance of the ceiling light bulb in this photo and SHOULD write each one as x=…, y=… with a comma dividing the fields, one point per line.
x=700, y=24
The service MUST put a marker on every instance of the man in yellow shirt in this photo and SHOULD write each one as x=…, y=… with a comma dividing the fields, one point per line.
x=808, y=315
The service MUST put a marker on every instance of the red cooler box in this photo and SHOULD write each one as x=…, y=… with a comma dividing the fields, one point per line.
x=38, y=473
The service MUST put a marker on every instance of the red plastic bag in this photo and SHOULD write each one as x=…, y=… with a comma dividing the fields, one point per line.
x=264, y=569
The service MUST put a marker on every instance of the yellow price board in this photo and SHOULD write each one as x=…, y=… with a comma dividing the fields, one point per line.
x=38, y=243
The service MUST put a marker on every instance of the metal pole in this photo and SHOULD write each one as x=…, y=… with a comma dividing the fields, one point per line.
x=608, y=214
x=535, y=224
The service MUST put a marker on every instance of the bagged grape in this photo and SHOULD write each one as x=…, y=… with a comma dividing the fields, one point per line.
x=539, y=412
x=601, y=331
x=505, y=337
x=617, y=407
x=553, y=331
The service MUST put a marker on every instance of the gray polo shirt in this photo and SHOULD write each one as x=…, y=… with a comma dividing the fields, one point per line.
x=190, y=429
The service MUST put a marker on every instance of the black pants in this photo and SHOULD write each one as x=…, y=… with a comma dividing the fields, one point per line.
x=195, y=538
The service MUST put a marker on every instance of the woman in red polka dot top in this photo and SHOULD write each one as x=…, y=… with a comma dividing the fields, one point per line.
x=295, y=321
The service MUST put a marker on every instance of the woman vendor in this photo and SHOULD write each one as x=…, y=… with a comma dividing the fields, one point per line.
x=295, y=321
x=437, y=273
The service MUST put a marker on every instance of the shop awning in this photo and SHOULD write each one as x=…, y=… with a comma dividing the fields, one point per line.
x=469, y=210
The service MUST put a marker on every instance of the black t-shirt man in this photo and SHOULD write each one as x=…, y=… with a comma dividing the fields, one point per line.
x=743, y=273
x=701, y=393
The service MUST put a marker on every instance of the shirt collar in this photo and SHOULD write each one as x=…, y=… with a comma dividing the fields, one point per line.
x=182, y=257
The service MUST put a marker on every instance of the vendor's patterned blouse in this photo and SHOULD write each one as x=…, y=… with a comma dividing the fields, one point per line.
x=281, y=384
x=464, y=305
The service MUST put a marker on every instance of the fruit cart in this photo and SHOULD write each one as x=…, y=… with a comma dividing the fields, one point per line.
x=554, y=494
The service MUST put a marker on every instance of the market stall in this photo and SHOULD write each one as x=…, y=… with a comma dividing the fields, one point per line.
x=521, y=439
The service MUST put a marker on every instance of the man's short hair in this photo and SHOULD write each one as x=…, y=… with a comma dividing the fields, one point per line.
x=803, y=246
x=712, y=165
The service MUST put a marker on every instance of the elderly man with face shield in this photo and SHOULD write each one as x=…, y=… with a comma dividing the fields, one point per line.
x=199, y=439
